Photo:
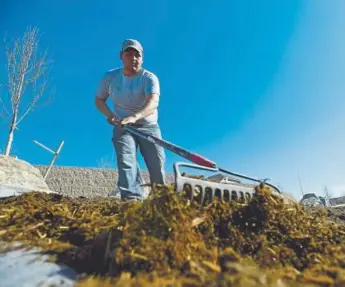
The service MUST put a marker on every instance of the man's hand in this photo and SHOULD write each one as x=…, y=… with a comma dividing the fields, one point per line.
x=128, y=120
x=121, y=123
x=113, y=119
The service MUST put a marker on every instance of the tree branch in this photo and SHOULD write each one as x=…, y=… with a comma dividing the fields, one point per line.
x=3, y=110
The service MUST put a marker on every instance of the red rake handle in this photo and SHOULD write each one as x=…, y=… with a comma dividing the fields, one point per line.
x=200, y=160
x=197, y=159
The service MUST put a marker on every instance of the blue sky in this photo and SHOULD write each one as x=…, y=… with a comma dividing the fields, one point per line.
x=257, y=87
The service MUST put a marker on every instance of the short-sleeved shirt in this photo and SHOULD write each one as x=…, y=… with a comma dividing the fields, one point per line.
x=129, y=94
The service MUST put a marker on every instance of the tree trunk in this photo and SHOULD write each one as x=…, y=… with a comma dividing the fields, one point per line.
x=10, y=135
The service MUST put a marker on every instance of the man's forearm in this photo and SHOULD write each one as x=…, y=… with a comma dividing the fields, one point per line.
x=103, y=107
x=148, y=108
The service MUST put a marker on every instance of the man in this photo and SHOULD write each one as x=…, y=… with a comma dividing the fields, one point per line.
x=135, y=94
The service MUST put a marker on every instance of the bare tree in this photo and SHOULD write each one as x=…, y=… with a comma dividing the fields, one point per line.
x=27, y=75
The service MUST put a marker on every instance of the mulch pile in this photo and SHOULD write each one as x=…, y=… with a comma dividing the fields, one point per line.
x=169, y=241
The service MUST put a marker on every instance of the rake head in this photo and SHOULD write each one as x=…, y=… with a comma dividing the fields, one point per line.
x=204, y=190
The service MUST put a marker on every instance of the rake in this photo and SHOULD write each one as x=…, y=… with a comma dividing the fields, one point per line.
x=203, y=190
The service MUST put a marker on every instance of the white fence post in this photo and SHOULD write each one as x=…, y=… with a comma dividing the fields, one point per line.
x=55, y=153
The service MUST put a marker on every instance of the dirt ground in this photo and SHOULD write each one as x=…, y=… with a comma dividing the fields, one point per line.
x=169, y=241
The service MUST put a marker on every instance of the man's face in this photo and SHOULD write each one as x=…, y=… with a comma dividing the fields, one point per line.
x=132, y=59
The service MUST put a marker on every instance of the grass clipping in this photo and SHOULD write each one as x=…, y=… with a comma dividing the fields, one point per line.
x=169, y=241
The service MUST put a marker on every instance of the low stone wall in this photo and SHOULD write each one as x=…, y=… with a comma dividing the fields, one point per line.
x=89, y=182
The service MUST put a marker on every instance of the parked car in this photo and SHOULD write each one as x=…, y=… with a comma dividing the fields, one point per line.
x=311, y=200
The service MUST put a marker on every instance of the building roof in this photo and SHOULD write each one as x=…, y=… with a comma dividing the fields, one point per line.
x=337, y=200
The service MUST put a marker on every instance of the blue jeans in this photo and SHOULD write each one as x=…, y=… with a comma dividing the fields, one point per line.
x=126, y=145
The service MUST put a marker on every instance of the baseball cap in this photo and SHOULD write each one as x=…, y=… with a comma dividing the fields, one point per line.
x=132, y=43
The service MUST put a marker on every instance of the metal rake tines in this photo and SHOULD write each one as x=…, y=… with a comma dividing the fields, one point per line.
x=204, y=191
x=205, y=195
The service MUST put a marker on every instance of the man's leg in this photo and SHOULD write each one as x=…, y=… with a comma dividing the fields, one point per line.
x=128, y=174
x=153, y=155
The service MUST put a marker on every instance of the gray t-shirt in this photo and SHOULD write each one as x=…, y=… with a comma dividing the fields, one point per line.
x=129, y=94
